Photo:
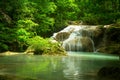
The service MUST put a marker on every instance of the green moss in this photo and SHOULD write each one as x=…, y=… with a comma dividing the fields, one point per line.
x=40, y=46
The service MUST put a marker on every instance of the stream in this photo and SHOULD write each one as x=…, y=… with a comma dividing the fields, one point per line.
x=75, y=66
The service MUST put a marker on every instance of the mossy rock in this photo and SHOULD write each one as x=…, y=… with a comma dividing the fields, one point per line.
x=51, y=49
x=113, y=34
x=111, y=49
x=61, y=36
x=55, y=49
x=110, y=43
x=109, y=73
x=114, y=49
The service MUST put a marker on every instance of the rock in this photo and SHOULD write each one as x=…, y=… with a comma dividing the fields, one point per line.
x=53, y=41
x=105, y=39
x=51, y=49
x=107, y=26
x=61, y=36
x=78, y=44
x=109, y=73
x=111, y=40
x=29, y=50
x=76, y=38
x=9, y=53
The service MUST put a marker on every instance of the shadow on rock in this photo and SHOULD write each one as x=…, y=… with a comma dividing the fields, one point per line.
x=109, y=73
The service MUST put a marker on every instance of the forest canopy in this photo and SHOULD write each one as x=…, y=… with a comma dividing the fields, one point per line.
x=22, y=20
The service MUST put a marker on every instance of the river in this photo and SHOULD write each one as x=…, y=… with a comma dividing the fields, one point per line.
x=75, y=66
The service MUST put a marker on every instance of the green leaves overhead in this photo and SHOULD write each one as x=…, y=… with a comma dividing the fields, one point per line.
x=27, y=24
x=48, y=7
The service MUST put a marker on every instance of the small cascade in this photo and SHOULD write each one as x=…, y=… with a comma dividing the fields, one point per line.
x=77, y=38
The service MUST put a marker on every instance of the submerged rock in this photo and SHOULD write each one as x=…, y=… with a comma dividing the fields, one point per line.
x=109, y=73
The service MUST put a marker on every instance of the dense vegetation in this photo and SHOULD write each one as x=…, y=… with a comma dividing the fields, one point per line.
x=22, y=20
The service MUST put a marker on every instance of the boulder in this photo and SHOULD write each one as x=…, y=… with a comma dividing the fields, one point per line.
x=109, y=73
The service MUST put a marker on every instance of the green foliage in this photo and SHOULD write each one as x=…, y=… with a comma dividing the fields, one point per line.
x=43, y=17
x=67, y=10
x=99, y=12
x=25, y=19
x=25, y=29
x=27, y=24
x=42, y=46
x=4, y=47
x=37, y=40
x=118, y=23
x=89, y=19
x=38, y=44
x=22, y=35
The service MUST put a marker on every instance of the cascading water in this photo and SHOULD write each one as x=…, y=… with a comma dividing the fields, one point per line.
x=77, y=38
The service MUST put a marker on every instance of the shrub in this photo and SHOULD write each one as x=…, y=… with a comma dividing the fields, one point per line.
x=41, y=46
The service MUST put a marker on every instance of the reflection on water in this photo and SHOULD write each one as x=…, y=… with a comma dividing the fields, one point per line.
x=77, y=66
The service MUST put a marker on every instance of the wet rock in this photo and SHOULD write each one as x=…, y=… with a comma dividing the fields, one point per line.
x=61, y=36
x=78, y=44
x=111, y=40
x=104, y=38
x=109, y=73
x=77, y=38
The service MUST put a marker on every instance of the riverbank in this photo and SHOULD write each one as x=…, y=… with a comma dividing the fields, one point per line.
x=13, y=77
x=10, y=53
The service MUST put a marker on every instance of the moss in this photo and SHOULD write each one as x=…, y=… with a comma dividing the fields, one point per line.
x=45, y=47
x=113, y=49
x=54, y=49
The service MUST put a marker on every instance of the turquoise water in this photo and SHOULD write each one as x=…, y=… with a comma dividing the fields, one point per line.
x=75, y=66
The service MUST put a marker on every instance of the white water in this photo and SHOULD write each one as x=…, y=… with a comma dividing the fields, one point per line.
x=80, y=38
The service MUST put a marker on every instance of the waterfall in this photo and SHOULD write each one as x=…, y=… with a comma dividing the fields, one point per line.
x=77, y=38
